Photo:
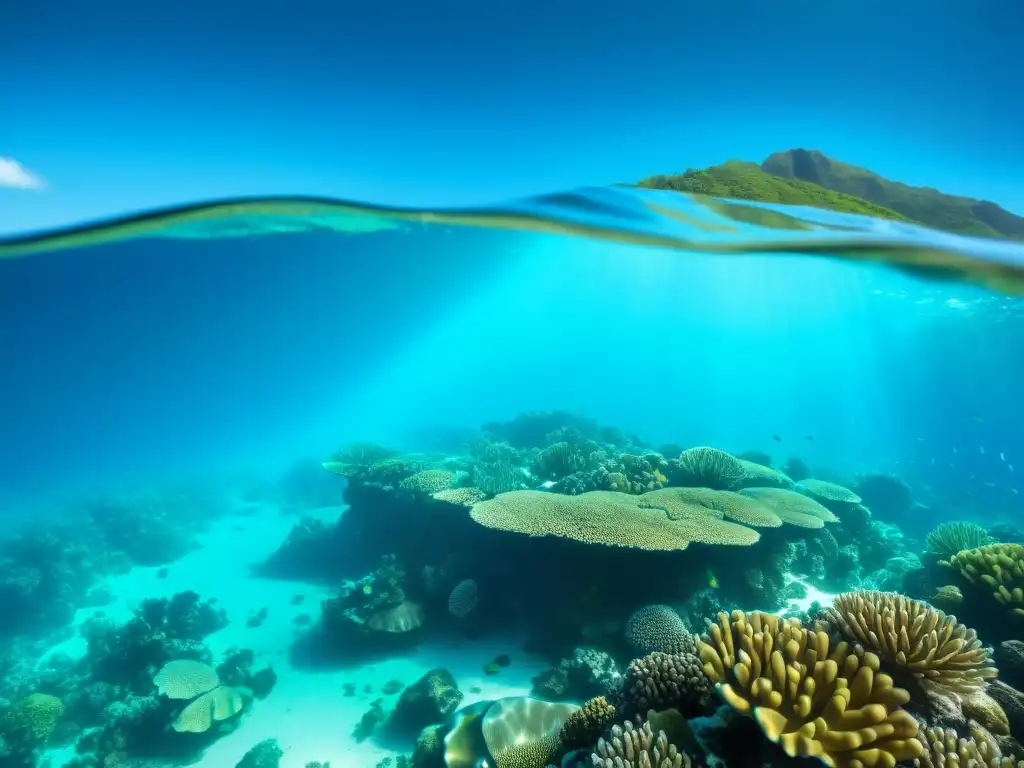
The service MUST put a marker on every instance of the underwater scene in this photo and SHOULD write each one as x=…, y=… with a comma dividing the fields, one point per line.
x=625, y=477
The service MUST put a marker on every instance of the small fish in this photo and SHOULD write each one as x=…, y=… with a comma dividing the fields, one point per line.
x=989, y=484
x=1002, y=457
x=1014, y=492
x=712, y=581
x=808, y=437
x=978, y=418
x=776, y=438
x=1010, y=467
x=981, y=448
x=920, y=439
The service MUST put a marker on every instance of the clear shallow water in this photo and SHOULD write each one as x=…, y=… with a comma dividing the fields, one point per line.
x=173, y=382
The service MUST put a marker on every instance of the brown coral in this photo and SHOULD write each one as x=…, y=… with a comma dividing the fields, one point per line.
x=810, y=698
x=585, y=726
x=661, y=681
x=932, y=646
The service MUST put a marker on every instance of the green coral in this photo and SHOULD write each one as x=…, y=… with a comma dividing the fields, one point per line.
x=31, y=720
x=946, y=539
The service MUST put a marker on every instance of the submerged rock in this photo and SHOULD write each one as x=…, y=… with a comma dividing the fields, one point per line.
x=266, y=754
x=428, y=701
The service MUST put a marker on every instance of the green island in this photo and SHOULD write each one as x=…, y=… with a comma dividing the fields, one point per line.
x=808, y=177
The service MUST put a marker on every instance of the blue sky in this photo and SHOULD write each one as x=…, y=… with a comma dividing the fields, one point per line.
x=130, y=105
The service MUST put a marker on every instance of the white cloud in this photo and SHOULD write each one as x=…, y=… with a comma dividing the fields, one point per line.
x=14, y=174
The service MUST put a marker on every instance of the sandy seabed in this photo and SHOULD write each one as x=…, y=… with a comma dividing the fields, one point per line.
x=306, y=712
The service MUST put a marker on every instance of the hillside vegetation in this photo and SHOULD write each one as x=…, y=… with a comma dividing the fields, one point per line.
x=807, y=177
x=928, y=206
x=746, y=181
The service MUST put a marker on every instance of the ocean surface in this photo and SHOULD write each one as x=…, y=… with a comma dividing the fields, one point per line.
x=269, y=467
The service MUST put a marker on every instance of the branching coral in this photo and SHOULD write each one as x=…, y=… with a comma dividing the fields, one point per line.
x=658, y=628
x=355, y=459
x=999, y=566
x=946, y=539
x=604, y=517
x=631, y=747
x=932, y=646
x=944, y=749
x=808, y=697
x=558, y=461
x=706, y=467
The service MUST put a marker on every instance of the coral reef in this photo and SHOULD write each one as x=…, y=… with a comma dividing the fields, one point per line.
x=662, y=681
x=948, y=538
x=585, y=726
x=266, y=754
x=657, y=628
x=931, y=646
x=779, y=673
x=428, y=701
x=630, y=747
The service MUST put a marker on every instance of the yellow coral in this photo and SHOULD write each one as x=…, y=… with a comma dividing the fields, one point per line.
x=465, y=497
x=949, y=594
x=185, y=679
x=932, y=646
x=604, y=517
x=522, y=732
x=812, y=699
x=979, y=706
x=429, y=481
x=1000, y=567
x=943, y=749
x=213, y=706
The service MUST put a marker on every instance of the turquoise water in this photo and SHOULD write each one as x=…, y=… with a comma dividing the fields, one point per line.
x=259, y=402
